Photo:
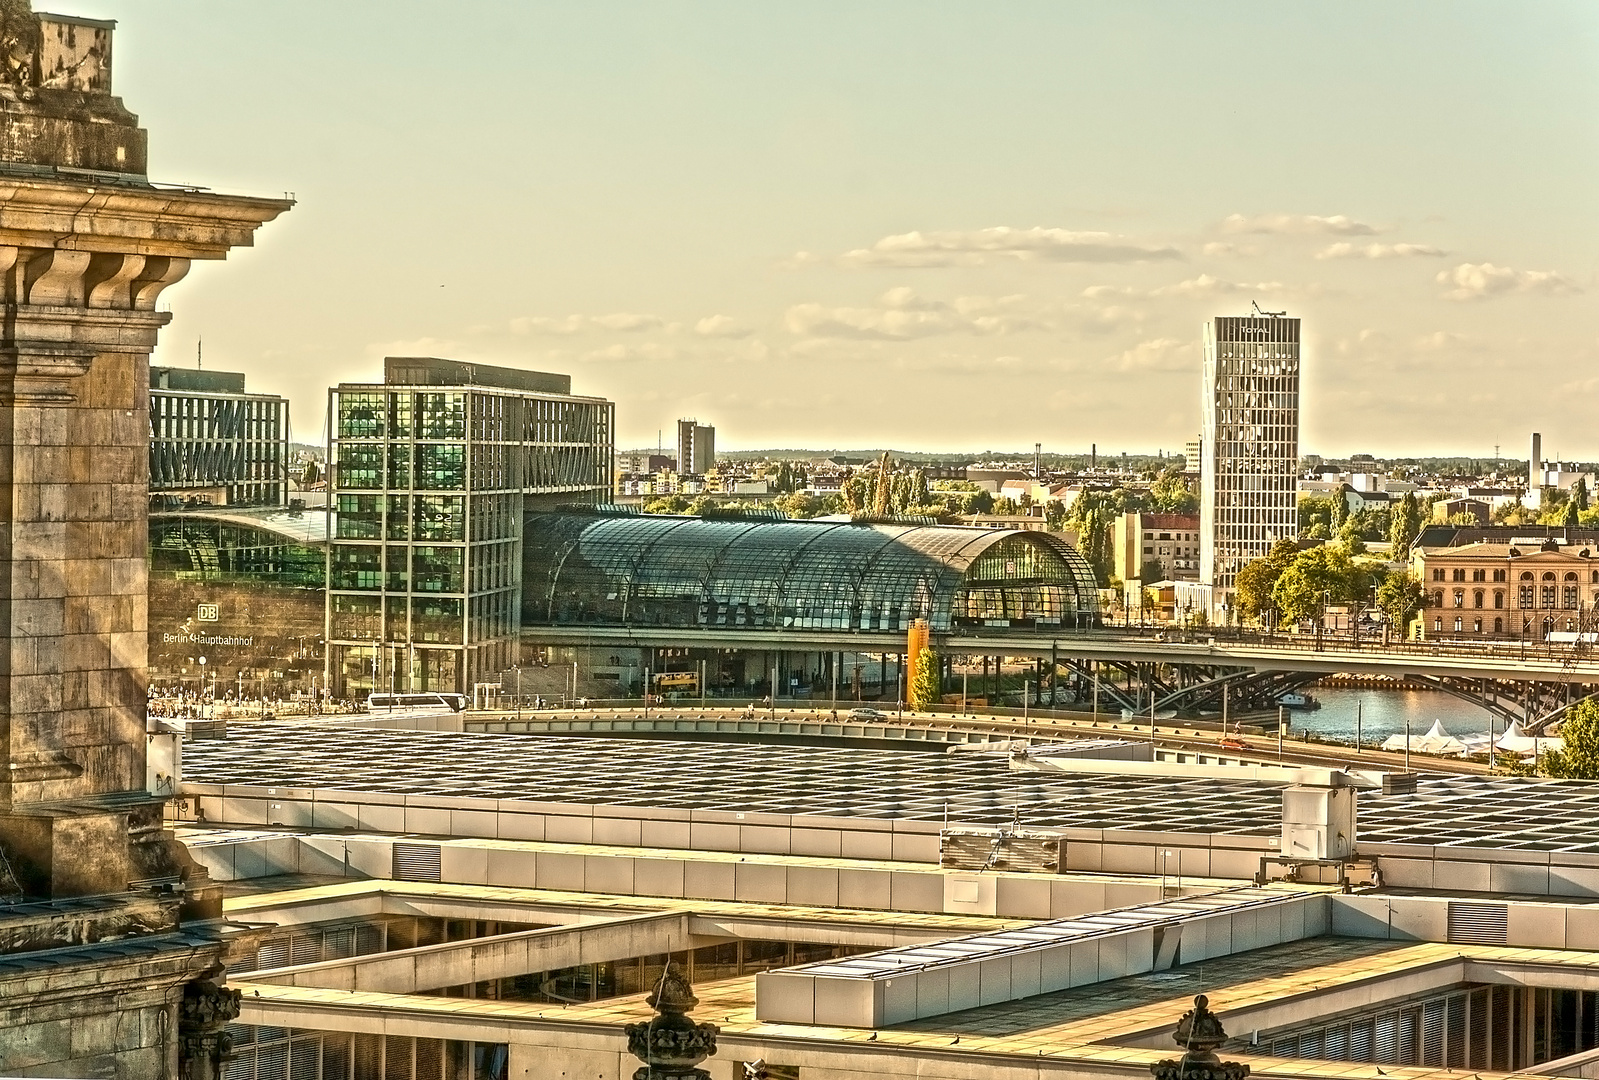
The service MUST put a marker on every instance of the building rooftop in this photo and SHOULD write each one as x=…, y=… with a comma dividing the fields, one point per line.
x=1473, y=812
x=436, y=371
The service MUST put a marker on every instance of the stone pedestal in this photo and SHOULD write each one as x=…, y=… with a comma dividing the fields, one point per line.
x=87, y=246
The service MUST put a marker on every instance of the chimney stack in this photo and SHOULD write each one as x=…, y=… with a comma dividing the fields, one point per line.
x=1535, y=464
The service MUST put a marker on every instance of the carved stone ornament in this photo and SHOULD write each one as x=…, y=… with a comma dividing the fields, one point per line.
x=204, y=1046
x=1199, y=1032
x=671, y=1045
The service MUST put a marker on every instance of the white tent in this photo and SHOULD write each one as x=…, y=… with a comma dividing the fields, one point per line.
x=1435, y=741
x=1516, y=741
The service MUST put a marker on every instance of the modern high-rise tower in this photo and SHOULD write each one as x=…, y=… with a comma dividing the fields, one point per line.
x=696, y=448
x=1249, y=447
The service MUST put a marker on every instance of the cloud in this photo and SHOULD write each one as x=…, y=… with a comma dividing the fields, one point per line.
x=901, y=315
x=977, y=247
x=1438, y=339
x=1159, y=354
x=1108, y=292
x=622, y=321
x=1478, y=281
x=1346, y=250
x=1204, y=285
x=644, y=351
x=1223, y=249
x=721, y=326
x=1297, y=224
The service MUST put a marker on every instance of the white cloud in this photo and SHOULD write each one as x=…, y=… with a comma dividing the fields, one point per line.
x=1438, y=339
x=722, y=326
x=1107, y=292
x=645, y=351
x=1346, y=250
x=1223, y=249
x=622, y=321
x=901, y=315
x=976, y=247
x=1205, y=285
x=1478, y=281
x=1159, y=354
x=1289, y=224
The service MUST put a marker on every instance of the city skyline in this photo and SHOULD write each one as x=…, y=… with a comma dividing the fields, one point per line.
x=930, y=231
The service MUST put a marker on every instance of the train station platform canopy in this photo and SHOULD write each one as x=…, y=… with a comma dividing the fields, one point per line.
x=761, y=573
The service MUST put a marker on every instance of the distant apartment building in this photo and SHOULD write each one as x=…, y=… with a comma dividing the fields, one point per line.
x=1250, y=446
x=213, y=444
x=1192, y=453
x=431, y=472
x=696, y=448
x=1157, y=547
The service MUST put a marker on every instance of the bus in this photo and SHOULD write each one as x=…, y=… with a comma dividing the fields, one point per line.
x=418, y=699
x=684, y=682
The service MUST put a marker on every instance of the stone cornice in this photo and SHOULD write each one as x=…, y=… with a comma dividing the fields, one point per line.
x=73, y=216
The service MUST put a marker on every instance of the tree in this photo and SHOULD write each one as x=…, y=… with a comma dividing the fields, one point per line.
x=313, y=474
x=856, y=493
x=1579, y=494
x=1404, y=525
x=1578, y=759
x=924, y=690
x=1573, y=513
x=1322, y=575
x=1350, y=536
x=1170, y=493
x=1399, y=597
x=1252, y=589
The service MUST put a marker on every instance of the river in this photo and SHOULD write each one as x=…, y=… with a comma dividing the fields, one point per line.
x=1385, y=712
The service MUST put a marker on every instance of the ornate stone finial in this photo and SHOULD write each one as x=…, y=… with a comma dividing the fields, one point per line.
x=1199, y=1033
x=204, y=1045
x=671, y=1045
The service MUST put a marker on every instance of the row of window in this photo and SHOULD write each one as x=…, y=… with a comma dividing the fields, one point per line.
x=1528, y=596
x=1459, y=574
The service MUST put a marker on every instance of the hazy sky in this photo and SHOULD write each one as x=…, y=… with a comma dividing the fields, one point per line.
x=962, y=226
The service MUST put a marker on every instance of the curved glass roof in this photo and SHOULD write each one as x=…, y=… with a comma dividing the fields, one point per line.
x=659, y=570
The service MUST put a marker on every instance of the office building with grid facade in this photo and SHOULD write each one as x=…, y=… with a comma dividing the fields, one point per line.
x=432, y=471
x=1249, y=447
x=213, y=444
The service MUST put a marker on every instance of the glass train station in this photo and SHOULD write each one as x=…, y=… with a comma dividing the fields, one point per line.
x=774, y=606
x=763, y=574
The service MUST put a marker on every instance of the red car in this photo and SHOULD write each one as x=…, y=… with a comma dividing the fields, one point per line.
x=1233, y=744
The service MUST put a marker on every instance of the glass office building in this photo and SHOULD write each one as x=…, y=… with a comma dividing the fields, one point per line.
x=431, y=473
x=1250, y=446
x=213, y=444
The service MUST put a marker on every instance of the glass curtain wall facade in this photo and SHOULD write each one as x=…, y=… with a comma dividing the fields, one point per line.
x=212, y=443
x=1250, y=446
x=657, y=570
x=430, y=482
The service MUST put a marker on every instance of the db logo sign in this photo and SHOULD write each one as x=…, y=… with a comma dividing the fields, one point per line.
x=209, y=613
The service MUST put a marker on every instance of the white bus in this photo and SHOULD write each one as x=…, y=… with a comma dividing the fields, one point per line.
x=419, y=699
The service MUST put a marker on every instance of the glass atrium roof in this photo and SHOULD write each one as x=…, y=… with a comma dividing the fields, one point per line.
x=658, y=570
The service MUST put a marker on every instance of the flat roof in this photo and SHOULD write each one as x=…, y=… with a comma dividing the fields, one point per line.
x=964, y=789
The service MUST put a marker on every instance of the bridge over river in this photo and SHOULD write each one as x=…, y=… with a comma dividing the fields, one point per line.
x=1531, y=683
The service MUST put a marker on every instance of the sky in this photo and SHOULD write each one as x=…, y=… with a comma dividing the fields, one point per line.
x=933, y=226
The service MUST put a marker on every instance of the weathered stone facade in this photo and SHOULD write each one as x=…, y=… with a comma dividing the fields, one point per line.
x=86, y=248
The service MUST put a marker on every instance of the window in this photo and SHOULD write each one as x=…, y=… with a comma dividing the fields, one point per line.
x=1499, y=626
x=1476, y=598
x=1438, y=574
x=1548, y=596
x=1438, y=598
x=1499, y=598
x=1457, y=624
x=1479, y=575
x=1460, y=598
x=1459, y=574
x=1499, y=575
x=1476, y=626
x=1568, y=598
x=1526, y=596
